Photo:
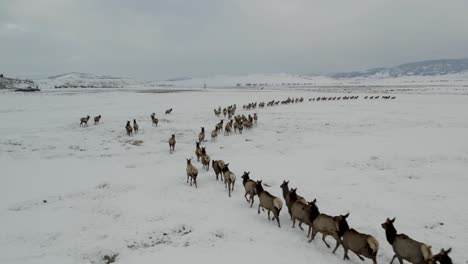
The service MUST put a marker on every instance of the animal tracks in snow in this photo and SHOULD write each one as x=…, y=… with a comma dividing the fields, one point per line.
x=102, y=191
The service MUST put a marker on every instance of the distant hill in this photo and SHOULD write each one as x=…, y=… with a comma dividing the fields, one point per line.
x=80, y=75
x=421, y=68
x=14, y=83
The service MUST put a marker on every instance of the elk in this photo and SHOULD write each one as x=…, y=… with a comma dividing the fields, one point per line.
x=84, y=121
x=227, y=128
x=219, y=126
x=302, y=211
x=129, y=129
x=406, y=248
x=168, y=111
x=201, y=135
x=198, y=151
x=135, y=126
x=205, y=159
x=172, y=142
x=154, y=120
x=214, y=134
x=229, y=179
x=218, y=166
x=286, y=193
x=269, y=202
x=443, y=257
x=328, y=226
x=192, y=173
x=255, y=118
x=97, y=119
x=360, y=244
x=250, y=187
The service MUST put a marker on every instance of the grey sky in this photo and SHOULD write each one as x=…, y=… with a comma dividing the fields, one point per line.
x=154, y=39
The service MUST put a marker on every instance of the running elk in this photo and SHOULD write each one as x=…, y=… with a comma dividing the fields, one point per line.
x=172, y=142
x=198, y=151
x=250, y=187
x=84, y=121
x=135, y=126
x=97, y=119
x=154, y=120
x=286, y=193
x=201, y=136
x=192, y=173
x=406, y=248
x=328, y=226
x=229, y=179
x=269, y=202
x=360, y=244
x=218, y=166
x=129, y=129
x=302, y=211
x=168, y=111
x=205, y=159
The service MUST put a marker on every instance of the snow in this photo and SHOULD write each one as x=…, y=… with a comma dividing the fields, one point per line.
x=74, y=195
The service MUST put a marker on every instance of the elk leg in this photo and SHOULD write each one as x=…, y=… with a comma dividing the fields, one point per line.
x=345, y=256
x=324, y=241
x=252, y=200
x=300, y=226
x=337, y=245
x=314, y=233
x=294, y=222
x=269, y=215
x=258, y=208
x=400, y=259
x=393, y=259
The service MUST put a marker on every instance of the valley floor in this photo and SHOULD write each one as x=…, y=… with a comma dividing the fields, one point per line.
x=73, y=195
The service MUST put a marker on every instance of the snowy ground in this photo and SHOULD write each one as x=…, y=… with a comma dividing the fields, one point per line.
x=73, y=195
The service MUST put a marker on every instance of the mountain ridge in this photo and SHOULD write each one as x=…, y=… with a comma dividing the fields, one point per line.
x=418, y=68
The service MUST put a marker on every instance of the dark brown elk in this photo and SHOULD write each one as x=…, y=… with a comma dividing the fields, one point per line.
x=443, y=257
x=97, y=119
x=168, y=111
x=84, y=121
x=154, y=120
x=129, y=129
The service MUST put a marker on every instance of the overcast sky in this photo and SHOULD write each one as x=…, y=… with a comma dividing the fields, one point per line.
x=155, y=39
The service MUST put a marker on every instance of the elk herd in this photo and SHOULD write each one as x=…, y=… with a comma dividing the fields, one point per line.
x=299, y=209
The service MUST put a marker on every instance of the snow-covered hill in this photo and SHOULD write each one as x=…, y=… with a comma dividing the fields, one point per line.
x=421, y=68
x=452, y=73
x=80, y=75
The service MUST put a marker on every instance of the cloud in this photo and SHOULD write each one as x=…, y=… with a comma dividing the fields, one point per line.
x=169, y=38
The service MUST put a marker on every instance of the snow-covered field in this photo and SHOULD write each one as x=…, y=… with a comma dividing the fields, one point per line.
x=73, y=195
